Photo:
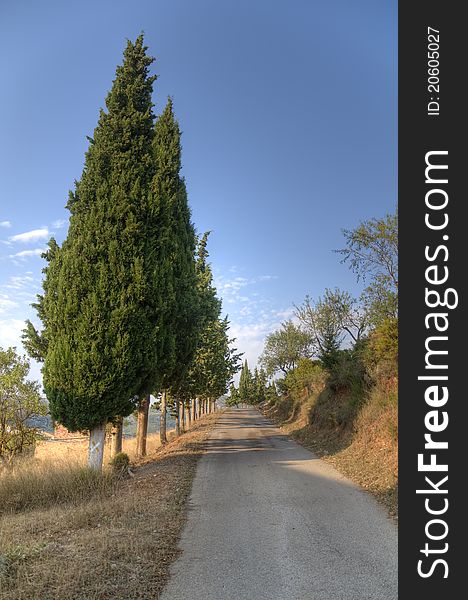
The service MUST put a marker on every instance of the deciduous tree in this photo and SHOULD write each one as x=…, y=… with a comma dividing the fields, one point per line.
x=19, y=401
x=284, y=348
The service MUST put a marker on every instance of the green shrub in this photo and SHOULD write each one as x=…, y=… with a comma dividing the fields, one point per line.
x=309, y=375
x=381, y=352
x=120, y=463
x=349, y=372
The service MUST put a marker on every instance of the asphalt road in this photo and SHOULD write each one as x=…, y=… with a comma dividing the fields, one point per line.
x=270, y=521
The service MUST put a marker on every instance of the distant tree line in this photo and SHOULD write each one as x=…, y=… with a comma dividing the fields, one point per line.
x=253, y=388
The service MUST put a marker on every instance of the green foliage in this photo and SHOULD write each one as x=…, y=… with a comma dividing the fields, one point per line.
x=271, y=393
x=99, y=322
x=346, y=312
x=120, y=463
x=380, y=303
x=34, y=341
x=245, y=389
x=323, y=323
x=19, y=401
x=308, y=375
x=176, y=283
x=372, y=249
x=215, y=361
x=284, y=348
x=348, y=373
x=372, y=253
x=381, y=352
x=253, y=388
x=259, y=385
x=233, y=398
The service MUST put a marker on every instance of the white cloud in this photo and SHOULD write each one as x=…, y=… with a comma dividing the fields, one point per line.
x=6, y=224
x=58, y=224
x=30, y=236
x=10, y=336
x=6, y=304
x=250, y=337
x=10, y=333
x=250, y=310
x=229, y=288
x=28, y=253
x=18, y=282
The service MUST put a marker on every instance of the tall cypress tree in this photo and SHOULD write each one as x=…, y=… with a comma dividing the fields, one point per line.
x=180, y=333
x=245, y=384
x=193, y=380
x=215, y=362
x=100, y=328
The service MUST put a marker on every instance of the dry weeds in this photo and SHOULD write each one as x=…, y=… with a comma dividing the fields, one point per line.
x=114, y=545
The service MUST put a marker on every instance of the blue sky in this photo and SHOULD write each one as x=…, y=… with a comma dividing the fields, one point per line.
x=289, y=120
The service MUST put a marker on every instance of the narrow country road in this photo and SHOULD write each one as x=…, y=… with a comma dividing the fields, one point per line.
x=270, y=521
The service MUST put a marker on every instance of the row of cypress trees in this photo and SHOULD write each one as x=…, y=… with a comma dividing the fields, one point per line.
x=253, y=387
x=128, y=305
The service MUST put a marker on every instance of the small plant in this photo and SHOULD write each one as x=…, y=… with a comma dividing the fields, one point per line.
x=120, y=463
x=4, y=566
x=16, y=555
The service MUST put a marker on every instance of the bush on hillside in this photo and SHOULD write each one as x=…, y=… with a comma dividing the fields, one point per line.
x=381, y=352
x=308, y=376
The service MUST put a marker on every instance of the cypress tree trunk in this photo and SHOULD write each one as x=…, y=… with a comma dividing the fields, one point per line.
x=177, y=418
x=97, y=438
x=142, y=425
x=182, y=410
x=116, y=439
x=194, y=410
x=189, y=413
x=162, y=419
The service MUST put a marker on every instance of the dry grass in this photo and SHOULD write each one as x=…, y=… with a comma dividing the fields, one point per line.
x=116, y=544
x=76, y=450
x=40, y=484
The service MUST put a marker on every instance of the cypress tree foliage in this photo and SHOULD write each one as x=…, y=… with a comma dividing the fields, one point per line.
x=189, y=381
x=215, y=362
x=34, y=341
x=245, y=384
x=259, y=386
x=233, y=399
x=180, y=298
x=99, y=321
